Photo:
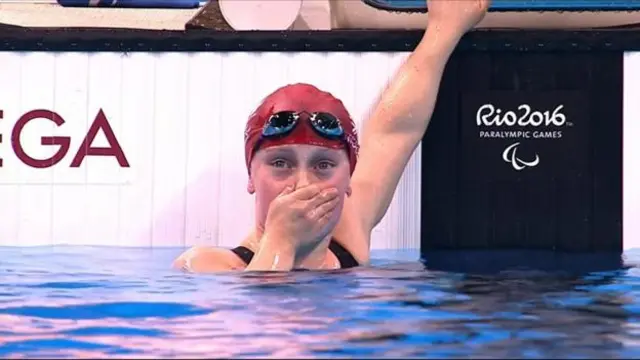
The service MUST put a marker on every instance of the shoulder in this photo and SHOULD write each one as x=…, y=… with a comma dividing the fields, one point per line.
x=208, y=259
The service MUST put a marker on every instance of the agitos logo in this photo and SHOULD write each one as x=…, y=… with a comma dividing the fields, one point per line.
x=99, y=124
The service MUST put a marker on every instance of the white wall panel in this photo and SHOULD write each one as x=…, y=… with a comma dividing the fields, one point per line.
x=37, y=91
x=138, y=123
x=10, y=66
x=179, y=118
x=170, y=129
x=69, y=195
x=104, y=177
x=202, y=206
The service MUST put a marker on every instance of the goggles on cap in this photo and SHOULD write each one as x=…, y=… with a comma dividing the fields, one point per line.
x=283, y=122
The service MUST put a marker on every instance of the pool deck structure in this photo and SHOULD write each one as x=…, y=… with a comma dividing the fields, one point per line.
x=53, y=15
x=314, y=15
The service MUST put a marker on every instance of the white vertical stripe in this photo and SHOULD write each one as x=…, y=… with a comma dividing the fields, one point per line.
x=9, y=177
x=37, y=92
x=204, y=152
x=170, y=149
x=69, y=202
x=138, y=122
x=103, y=172
x=237, y=101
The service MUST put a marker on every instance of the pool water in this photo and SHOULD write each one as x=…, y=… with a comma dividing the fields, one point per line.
x=106, y=302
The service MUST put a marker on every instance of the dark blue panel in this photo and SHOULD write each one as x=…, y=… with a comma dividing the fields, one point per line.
x=521, y=5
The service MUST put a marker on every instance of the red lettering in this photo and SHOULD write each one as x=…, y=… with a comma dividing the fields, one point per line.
x=86, y=148
x=62, y=141
x=100, y=123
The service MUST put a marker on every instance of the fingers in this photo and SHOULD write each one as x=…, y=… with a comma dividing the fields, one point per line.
x=307, y=192
x=309, y=202
x=325, y=209
x=325, y=196
x=287, y=190
x=324, y=219
x=310, y=192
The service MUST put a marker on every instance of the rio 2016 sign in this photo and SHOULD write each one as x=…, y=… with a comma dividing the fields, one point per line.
x=99, y=124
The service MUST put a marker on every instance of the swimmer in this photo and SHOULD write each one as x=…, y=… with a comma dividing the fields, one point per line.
x=315, y=209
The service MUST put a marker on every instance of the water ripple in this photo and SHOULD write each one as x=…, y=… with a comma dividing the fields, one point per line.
x=87, y=302
x=125, y=310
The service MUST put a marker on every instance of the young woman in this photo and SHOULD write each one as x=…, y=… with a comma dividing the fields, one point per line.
x=315, y=208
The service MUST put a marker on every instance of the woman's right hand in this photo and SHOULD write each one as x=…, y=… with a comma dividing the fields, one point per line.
x=458, y=15
x=298, y=220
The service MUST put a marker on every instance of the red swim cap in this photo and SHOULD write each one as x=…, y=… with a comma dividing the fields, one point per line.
x=301, y=98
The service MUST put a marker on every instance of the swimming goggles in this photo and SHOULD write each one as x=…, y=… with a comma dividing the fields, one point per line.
x=283, y=122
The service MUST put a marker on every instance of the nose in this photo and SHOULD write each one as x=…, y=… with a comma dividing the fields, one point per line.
x=303, y=178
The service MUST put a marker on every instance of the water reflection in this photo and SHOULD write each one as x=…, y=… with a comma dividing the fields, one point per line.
x=543, y=298
x=523, y=305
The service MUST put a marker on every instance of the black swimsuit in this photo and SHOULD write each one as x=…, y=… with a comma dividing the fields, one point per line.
x=344, y=257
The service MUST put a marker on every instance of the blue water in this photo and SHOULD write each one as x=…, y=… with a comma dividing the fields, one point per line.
x=529, y=5
x=104, y=302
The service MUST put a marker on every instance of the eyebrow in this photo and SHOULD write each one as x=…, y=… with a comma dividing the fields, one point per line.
x=280, y=151
x=323, y=153
x=269, y=152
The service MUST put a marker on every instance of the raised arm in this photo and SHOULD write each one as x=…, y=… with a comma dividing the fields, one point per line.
x=402, y=114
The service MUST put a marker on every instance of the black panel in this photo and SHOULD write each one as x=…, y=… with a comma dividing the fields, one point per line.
x=128, y=40
x=500, y=171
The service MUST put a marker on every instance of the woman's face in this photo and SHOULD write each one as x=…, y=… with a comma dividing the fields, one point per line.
x=274, y=168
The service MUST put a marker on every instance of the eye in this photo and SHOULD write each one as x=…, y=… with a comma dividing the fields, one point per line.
x=280, y=163
x=325, y=165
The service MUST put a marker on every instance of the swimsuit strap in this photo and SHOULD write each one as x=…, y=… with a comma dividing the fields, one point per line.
x=344, y=257
x=243, y=253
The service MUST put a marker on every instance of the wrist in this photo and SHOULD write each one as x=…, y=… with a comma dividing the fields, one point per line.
x=439, y=38
x=273, y=254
